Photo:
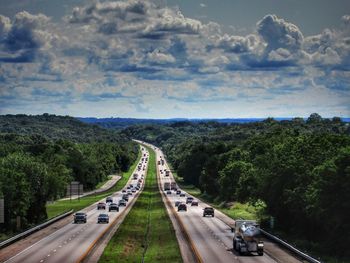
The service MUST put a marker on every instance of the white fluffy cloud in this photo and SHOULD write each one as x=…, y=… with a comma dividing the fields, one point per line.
x=278, y=33
x=138, y=52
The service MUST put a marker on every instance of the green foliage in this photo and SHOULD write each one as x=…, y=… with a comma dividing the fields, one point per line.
x=43, y=154
x=298, y=169
x=146, y=230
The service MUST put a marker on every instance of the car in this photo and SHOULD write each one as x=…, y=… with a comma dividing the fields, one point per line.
x=80, y=217
x=133, y=190
x=168, y=192
x=189, y=200
x=113, y=207
x=208, y=211
x=123, y=191
x=194, y=203
x=182, y=207
x=178, y=192
x=126, y=197
x=101, y=205
x=137, y=188
x=182, y=195
x=103, y=218
x=177, y=203
x=129, y=193
x=109, y=199
x=122, y=202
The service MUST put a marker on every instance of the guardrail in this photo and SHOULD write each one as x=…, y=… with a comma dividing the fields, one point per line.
x=290, y=247
x=34, y=229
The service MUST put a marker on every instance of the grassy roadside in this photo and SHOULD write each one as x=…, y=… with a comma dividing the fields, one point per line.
x=62, y=206
x=146, y=231
x=238, y=210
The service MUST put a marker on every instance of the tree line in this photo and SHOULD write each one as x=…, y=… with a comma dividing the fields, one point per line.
x=35, y=168
x=300, y=169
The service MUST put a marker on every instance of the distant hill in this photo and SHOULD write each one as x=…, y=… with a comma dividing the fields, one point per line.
x=56, y=127
x=119, y=123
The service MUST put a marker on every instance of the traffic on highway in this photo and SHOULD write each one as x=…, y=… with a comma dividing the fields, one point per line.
x=74, y=241
x=214, y=236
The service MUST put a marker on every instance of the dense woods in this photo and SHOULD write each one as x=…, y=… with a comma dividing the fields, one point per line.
x=300, y=169
x=40, y=155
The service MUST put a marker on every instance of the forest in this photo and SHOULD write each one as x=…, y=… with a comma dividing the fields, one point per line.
x=300, y=170
x=41, y=155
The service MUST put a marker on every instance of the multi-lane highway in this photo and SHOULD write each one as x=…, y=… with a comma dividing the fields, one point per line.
x=210, y=237
x=72, y=242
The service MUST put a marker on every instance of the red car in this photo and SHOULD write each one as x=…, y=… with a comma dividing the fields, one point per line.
x=101, y=205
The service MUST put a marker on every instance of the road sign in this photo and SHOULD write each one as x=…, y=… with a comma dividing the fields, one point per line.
x=2, y=211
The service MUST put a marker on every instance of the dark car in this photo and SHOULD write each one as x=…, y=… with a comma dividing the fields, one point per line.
x=194, y=203
x=182, y=207
x=178, y=192
x=101, y=205
x=208, y=211
x=80, y=217
x=109, y=199
x=122, y=202
x=123, y=191
x=182, y=195
x=177, y=203
x=103, y=218
x=189, y=200
x=113, y=207
x=133, y=190
x=168, y=192
x=126, y=197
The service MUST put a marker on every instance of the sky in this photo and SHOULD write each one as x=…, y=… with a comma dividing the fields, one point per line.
x=175, y=58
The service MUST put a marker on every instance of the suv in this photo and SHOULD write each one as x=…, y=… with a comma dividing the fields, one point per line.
x=126, y=197
x=194, y=203
x=80, y=217
x=103, y=218
x=182, y=207
x=113, y=206
x=122, y=202
x=189, y=200
x=109, y=199
x=208, y=211
x=101, y=206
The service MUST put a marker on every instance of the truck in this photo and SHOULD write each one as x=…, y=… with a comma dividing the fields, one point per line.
x=166, y=186
x=173, y=186
x=247, y=237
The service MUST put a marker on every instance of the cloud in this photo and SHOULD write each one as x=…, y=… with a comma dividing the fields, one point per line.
x=157, y=57
x=277, y=33
x=136, y=52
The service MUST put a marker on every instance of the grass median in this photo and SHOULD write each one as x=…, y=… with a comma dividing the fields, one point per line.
x=61, y=206
x=147, y=232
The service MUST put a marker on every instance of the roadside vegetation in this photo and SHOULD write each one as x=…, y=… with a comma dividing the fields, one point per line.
x=147, y=232
x=60, y=206
x=292, y=168
x=41, y=155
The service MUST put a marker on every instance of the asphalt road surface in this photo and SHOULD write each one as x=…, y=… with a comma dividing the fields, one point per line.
x=211, y=237
x=70, y=243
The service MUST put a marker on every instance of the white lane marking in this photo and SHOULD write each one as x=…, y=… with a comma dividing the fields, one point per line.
x=42, y=260
x=90, y=212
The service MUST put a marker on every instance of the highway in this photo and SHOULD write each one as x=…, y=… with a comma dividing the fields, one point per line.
x=210, y=236
x=72, y=242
